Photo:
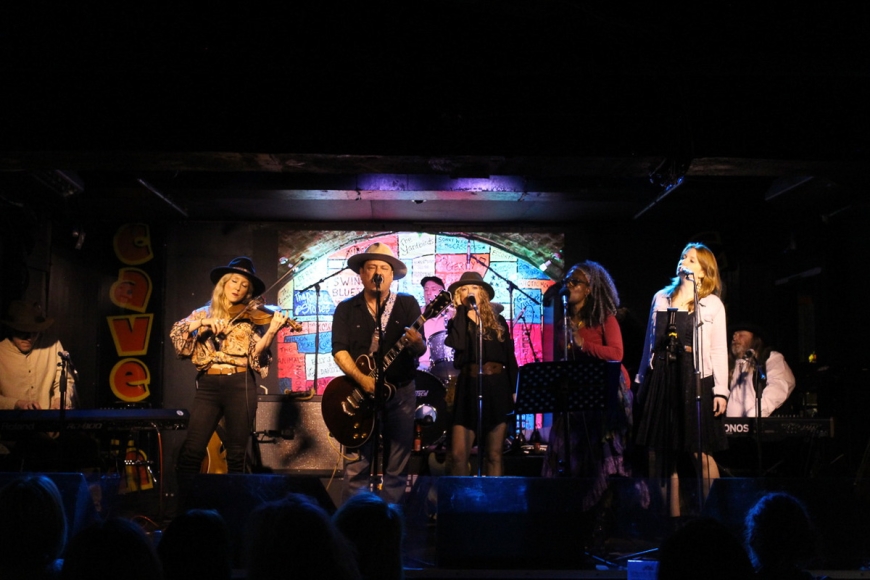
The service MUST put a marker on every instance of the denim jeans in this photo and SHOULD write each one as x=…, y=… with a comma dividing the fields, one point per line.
x=397, y=428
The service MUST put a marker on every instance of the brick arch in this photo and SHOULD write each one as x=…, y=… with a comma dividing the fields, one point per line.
x=534, y=247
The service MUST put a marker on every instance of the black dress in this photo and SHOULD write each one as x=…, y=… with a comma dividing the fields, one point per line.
x=667, y=399
x=498, y=388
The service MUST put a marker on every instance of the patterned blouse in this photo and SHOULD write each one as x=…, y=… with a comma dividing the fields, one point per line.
x=204, y=350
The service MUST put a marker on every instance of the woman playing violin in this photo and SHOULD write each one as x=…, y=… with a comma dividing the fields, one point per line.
x=228, y=351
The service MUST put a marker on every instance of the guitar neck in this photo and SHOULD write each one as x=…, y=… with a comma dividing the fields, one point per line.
x=397, y=348
x=433, y=309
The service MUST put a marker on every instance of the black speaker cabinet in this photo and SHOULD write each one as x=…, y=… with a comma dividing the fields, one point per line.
x=292, y=437
x=512, y=523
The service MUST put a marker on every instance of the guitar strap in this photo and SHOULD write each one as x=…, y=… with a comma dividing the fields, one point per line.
x=385, y=318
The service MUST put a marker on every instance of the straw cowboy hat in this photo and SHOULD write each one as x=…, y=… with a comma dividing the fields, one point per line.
x=472, y=278
x=244, y=266
x=382, y=252
x=26, y=317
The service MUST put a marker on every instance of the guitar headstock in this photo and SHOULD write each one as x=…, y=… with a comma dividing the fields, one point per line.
x=438, y=304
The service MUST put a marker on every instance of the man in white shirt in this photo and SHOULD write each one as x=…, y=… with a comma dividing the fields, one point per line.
x=30, y=369
x=751, y=362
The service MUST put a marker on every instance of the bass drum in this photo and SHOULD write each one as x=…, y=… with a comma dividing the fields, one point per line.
x=431, y=407
x=441, y=357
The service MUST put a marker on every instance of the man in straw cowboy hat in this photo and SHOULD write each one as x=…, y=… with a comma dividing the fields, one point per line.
x=29, y=371
x=355, y=333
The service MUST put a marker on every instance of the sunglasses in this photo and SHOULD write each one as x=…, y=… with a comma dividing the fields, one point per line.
x=572, y=282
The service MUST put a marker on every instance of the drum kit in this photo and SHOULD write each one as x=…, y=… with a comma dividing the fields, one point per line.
x=436, y=385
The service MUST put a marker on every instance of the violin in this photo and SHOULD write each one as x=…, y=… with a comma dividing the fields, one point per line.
x=258, y=313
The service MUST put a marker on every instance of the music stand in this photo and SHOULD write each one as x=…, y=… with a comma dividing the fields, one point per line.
x=564, y=387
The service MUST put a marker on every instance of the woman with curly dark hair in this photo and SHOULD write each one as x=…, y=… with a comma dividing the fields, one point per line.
x=597, y=440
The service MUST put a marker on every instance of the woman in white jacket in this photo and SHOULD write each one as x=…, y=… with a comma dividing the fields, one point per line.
x=684, y=373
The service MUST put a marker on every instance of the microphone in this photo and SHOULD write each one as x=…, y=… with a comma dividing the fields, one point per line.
x=749, y=354
x=377, y=279
x=685, y=272
x=565, y=291
x=64, y=355
x=468, y=255
x=472, y=301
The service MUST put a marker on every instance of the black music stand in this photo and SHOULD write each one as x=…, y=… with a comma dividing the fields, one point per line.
x=564, y=387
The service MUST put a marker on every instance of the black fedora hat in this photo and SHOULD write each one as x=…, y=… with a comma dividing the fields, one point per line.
x=472, y=277
x=756, y=329
x=244, y=266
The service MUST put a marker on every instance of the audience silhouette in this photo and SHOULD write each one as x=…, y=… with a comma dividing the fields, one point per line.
x=376, y=529
x=780, y=538
x=294, y=538
x=33, y=528
x=114, y=548
x=196, y=546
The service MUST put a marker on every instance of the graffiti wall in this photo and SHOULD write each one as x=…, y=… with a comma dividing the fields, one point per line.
x=311, y=294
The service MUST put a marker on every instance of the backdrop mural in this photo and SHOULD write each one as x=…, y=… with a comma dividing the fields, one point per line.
x=317, y=284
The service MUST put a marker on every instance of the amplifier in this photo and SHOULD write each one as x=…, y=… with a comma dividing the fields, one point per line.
x=292, y=438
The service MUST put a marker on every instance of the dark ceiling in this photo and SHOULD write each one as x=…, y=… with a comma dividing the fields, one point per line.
x=527, y=112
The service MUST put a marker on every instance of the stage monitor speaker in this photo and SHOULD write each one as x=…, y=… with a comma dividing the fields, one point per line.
x=78, y=503
x=235, y=496
x=529, y=523
x=292, y=437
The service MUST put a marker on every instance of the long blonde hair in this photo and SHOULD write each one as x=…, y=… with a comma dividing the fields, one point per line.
x=219, y=305
x=488, y=317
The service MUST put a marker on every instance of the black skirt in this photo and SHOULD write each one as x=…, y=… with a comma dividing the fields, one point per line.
x=668, y=401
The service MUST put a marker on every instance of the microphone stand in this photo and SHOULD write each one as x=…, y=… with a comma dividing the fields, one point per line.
x=481, y=445
x=698, y=370
x=324, y=279
x=567, y=338
x=316, y=287
x=527, y=331
x=758, y=382
x=379, y=391
x=511, y=286
x=64, y=377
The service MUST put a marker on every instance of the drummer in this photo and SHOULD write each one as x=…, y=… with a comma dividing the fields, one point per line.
x=432, y=285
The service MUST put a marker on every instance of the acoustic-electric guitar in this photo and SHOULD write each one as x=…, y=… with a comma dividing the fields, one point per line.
x=348, y=410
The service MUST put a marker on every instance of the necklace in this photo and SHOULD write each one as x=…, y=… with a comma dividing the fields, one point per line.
x=374, y=311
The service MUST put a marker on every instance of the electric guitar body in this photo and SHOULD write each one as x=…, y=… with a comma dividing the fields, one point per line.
x=348, y=410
